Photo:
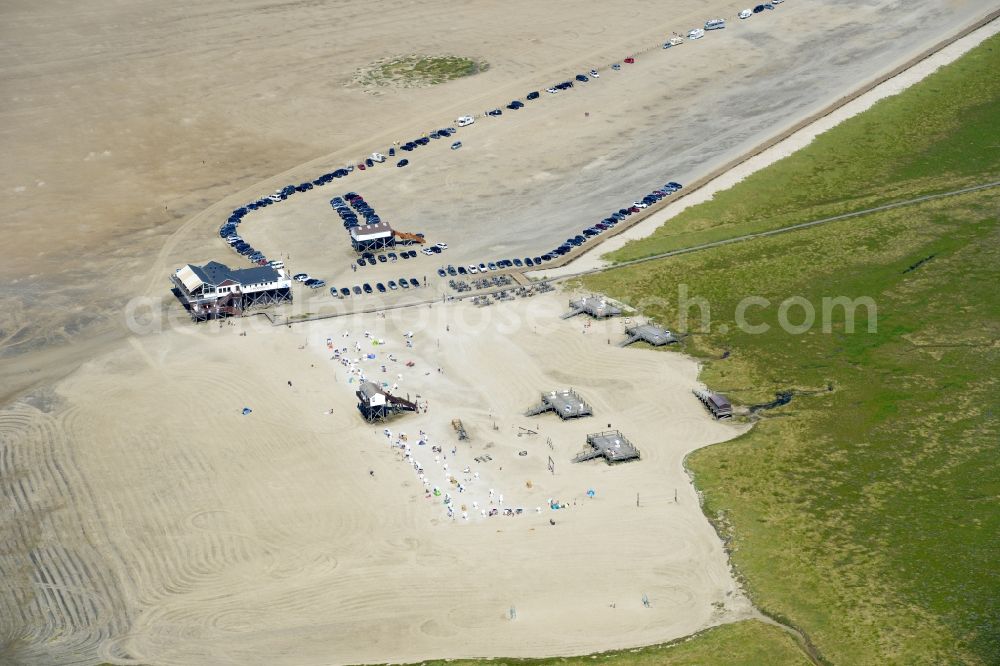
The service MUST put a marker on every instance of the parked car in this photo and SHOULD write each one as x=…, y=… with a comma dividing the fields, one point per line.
x=380, y=287
x=443, y=246
x=715, y=24
x=344, y=291
x=581, y=78
x=494, y=112
x=403, y=283
x=532, y=95
x=463, y=121
x=367, y=287
x=300, y=277
x=357, y=290
x=697, y=33
x=392, y=284
x=746, y=13
x=616, y=66
x=402, y=162
x=414, y=282
x=456, y=145
x=442, y=272
x=462, y=271
x=630, y=61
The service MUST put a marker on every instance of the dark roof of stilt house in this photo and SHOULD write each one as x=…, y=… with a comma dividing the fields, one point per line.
x=718, y=404
x=595, y=306
x=369, y=390
x=214, y=273
x=649, y=333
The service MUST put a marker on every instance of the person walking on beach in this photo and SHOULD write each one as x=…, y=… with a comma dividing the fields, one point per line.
x=289, y=383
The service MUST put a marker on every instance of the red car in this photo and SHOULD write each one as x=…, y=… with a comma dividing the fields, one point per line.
x=633, y=209
x=629, y=61
x=361, y=166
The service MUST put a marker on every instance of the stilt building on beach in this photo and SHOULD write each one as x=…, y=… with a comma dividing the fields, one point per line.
x=610, y=445
x=649, y=333
x=214, y=290
x=717, y=404
x=567, y=404
x=372, y=237
x=378, y=405
x=595, y=306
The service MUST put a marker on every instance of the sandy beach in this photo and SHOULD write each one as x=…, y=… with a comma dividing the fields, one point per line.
x=148, y=520
x=297, y=534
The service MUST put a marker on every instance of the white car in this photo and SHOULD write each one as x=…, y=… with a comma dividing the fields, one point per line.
x=482, y=268
x=551, y=90
x=746, y=13
x=640, y=204
x=697, y=33
x=473, y=270
x=464, y=121
x=443, y=246
x=427, y=251
x=594, y=74
x=777, y=3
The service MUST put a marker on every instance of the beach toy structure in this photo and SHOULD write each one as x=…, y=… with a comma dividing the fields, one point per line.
x=649, y=333
x=566, y=403
x=376, y=404
x=610, y=445
x=597, y=307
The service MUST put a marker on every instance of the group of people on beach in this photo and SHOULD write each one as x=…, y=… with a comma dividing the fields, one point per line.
x=458, y=488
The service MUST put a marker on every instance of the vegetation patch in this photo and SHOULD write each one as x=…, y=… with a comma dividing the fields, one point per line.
x=414, y=71
x=865, y=511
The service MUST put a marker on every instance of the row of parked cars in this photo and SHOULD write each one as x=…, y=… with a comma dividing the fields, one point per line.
x=391, y=285
x=353, y=200
x=570, y=243
x=370, y=259
x=228, y=230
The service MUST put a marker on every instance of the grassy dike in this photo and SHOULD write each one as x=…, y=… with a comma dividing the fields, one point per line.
x=864, y=512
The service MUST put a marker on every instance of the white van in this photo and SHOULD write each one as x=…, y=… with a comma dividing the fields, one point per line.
x=746, y=13
x=377, y=157
x=715, y=24
x=697, y=33
x=276, y=265
x=464, y=121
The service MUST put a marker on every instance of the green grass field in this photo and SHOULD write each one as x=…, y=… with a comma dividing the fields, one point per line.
x=865, y=512
x=421, y=70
